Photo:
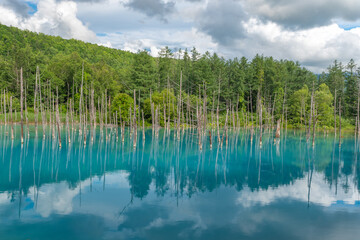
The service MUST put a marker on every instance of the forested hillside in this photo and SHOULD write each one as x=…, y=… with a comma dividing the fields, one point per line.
x=282, y=89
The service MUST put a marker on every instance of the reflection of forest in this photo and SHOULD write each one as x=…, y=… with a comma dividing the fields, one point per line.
x=178, y=166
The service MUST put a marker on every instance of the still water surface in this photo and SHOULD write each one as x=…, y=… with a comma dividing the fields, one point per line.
x=168, y=189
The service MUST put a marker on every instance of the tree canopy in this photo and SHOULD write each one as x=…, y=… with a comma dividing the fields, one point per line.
x=284, y=85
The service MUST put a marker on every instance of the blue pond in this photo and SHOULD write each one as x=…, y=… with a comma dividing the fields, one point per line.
x=169, y=189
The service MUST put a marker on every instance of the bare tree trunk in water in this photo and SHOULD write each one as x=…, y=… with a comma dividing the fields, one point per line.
x=152, y=113
x=277, y=134
x=26, y=111
x=67, y=122
x=179, y=108
x=143, y=121
x=134, y=123
x=35, y=98
x=251, y=114
x=41, y=105
x=217, y=123
x=340, y=122
x=311, y=114
x=21, y=106
x=81, y=97
x=335, y=113
x=5, y=106
x=198, y=119
x=283, y=108
x=58, y=116
x=11, y=117
x=357, y=112
x=314, y=123
x=260, y=119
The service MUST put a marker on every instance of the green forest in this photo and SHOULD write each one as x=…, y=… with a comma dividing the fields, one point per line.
x=256, y=90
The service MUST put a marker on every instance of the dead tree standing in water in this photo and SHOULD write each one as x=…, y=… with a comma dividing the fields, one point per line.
x=357, y=129
x=311, y=114
x=143, y=122
x=277, y=134
x=67, y=122
x=260, y=118
x=134, y=122
x=315, y=116
x=26, y=110
x=21, y=106
x=35, y=99
x=340, y=122
x=283, y=109
x=5, y=107
x=179, y=109
x=335, y=113
x=58, y=116
x=81, y=98
x=11, y=117
x=41, y=105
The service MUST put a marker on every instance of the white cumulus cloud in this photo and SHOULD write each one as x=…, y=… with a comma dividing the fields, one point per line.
x=314, y=33
x=52, y=17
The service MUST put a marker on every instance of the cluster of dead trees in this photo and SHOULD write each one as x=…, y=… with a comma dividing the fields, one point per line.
x=196, y=119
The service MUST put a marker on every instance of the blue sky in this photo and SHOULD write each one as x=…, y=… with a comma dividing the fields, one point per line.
x=313, y=32
x=33, y=7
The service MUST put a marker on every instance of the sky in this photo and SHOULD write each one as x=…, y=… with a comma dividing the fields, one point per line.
x=312, y=32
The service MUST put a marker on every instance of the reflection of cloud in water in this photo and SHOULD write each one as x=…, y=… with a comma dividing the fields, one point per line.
x=56, y=199
x=320, y=193
x=59, y=198
x=208, y=215
x=4, y=198
x=280, y=219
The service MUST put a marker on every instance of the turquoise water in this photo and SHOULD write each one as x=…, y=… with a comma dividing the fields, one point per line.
x=168, y=189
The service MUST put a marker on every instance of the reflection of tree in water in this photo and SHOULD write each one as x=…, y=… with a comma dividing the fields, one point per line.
x=332, y=169
x=180, y=168
x=161, y=180
x=357, y=174
x=343, y=165
x=348, y=160
x=140, y=181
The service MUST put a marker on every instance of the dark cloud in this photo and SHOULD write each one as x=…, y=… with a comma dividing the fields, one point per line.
x=303, y=14
x=222, y=20
x=18, y=6
x=152, y=8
